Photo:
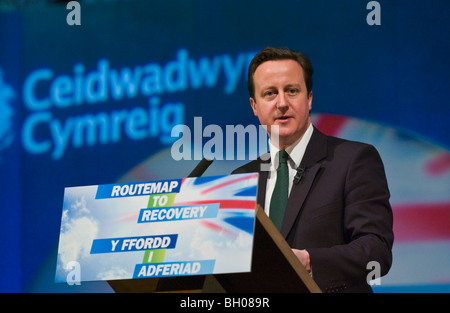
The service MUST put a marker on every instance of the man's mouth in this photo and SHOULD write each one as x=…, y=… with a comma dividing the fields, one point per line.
x=283, y=118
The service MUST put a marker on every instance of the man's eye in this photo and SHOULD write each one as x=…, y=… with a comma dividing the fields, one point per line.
x=293, y=91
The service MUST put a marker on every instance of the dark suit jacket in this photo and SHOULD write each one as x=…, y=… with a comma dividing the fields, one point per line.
x=339, y=212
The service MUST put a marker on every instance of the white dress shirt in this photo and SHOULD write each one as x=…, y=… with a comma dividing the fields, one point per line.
x=296, y=152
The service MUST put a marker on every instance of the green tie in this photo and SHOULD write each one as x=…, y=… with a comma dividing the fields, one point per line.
x=281, y=190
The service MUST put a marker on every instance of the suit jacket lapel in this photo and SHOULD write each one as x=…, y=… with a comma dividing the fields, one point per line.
x=315, y=152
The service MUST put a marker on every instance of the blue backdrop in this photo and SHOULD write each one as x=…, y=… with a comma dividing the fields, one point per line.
x=96, y=103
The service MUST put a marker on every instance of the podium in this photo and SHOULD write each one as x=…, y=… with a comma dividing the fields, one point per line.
x=275, y=269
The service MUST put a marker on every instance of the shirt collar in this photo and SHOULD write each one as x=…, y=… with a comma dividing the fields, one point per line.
x=295, y=151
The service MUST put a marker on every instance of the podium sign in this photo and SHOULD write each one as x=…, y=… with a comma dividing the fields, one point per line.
x=179, y=227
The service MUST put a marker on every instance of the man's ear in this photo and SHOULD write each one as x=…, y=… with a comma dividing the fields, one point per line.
x=310, y=96
x=253, y=104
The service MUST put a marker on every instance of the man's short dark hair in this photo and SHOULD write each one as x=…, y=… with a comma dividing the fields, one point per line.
x=273, y=54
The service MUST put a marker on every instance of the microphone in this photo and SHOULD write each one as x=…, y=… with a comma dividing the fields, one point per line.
x=299, y=175
x=200, y=168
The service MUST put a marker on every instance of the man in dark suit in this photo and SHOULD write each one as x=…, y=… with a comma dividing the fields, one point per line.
x=334, y=207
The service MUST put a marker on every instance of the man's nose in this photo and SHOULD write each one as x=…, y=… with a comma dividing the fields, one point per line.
x=282, y=101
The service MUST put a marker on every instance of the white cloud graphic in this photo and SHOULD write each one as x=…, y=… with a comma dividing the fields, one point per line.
x=78, y=229
x=229, y=252
x=114, y=273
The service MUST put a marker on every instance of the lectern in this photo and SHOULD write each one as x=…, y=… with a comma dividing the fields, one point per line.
x=275, y=269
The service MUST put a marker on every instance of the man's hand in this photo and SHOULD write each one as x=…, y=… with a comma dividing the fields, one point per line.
x=303, y=256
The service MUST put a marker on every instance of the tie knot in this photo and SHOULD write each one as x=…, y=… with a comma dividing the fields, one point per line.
x=283, y=156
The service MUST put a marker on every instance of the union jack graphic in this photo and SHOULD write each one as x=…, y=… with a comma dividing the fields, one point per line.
x=418, y=174
x=236, y=195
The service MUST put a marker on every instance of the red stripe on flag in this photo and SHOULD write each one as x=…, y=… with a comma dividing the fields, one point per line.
x=330, y=125
x=439, y=165
x=217, y=228
x=225, y=204
x=421, y=222
x=227, y=183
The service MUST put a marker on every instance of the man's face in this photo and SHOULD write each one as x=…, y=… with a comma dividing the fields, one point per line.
x=281, y=99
